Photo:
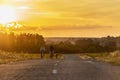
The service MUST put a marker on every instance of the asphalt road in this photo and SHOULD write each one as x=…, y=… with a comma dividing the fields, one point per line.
x=69, y=68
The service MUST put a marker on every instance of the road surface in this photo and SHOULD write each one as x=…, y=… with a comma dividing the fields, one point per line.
x=69, y=68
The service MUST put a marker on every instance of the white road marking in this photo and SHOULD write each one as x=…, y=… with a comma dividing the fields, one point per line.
x=57, y=61
x=54, y=71
x=56, y=64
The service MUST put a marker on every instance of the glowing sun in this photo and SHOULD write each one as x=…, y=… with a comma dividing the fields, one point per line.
x=7, y=14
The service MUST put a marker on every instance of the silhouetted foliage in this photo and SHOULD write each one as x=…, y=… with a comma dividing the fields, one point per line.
x=110, y=46
x=25, y=42
x=31, y=43
x=86, y=45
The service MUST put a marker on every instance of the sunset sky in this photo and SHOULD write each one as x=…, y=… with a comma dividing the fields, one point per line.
x=62, y=18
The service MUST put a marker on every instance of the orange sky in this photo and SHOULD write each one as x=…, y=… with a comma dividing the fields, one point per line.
x=63, y=18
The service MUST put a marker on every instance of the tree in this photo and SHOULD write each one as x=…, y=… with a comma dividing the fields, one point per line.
x=25, y=42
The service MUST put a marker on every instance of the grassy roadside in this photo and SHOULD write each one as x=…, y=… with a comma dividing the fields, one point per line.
x=9, y=57
x=113, y=57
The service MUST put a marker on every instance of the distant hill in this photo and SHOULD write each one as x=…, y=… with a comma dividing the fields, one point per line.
x=102, y=41
x=55, y=40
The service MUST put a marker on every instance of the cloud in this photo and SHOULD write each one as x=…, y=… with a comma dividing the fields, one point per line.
x=103, y=12
x=26, y=29
x=89, y=11
x=87, y=27
x=57, y=28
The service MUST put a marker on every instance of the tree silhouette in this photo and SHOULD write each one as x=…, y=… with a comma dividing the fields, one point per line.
x=25, y=42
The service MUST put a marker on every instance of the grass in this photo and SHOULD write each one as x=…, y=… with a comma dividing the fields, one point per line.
x=9, y=57
x=106, y=57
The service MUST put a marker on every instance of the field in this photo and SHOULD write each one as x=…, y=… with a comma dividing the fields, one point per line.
x=113, y=57
x=9, y=57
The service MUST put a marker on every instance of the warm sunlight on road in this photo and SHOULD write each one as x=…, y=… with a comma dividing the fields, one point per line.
x=69, y=68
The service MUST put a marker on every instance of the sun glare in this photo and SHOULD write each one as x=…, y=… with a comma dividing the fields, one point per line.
x=7, y=14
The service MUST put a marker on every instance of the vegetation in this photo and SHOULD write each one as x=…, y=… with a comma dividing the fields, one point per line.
x=85, y=46
x=8, y=57
x=25, y=42
x=25, y=45
x=31, y=43
x=112, y=57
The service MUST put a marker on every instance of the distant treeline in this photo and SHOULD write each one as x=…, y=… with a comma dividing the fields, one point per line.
x=31, y=43
x=85, y=46
x=24, y=42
